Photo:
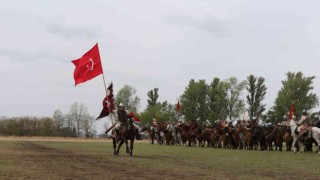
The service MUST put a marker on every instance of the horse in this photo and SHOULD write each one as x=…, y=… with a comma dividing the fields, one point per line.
x=287, y=138
x=151, y=133
x=247, y=137
x=170, y=134
x=186, y=134
x=315, y=134
x=295, y=129
x=206, y=133
x=159, y=133
x=259, y=135
x=127, y=132
x=315, y=131
x=219, y=134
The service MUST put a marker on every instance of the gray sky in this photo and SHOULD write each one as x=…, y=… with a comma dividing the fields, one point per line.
x=149, y=44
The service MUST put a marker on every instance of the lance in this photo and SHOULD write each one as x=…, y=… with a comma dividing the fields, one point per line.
x=110, y=128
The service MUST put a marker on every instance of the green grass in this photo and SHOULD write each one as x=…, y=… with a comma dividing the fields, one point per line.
x=95, y=160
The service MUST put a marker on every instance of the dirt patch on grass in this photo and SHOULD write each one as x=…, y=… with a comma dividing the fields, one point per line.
x=37, y=161
x=78, y=159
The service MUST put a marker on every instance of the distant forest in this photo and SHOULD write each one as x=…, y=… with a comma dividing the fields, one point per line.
x=200, y=101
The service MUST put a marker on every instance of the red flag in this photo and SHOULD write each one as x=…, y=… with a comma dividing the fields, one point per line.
x=107, y=103
x=291, y=111
x=135, y=118
x=178, y=107
x=88, y=66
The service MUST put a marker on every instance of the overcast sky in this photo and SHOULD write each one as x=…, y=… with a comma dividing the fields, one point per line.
x=148, y=44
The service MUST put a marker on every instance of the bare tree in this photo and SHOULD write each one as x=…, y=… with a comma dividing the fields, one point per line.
x=58, y=119
x=76, y=116
x=87, y=124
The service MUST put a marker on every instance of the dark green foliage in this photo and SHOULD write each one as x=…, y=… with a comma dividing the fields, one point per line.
x=217, y=100
x=153, y=98
x=257, y=91
x=194, y=101
x=298, y=89
x=162, y=112
x=127, y=96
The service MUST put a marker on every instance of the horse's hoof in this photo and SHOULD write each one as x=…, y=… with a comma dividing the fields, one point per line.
x=130, y=154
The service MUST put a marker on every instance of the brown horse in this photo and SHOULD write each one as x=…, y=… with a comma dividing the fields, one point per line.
x=219, y=135
x=247, y=137
x=127, y=132
x=186, y=134
x=206, y=134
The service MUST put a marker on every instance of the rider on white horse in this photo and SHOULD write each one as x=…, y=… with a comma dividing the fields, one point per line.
x=304, y=122
x=294, y=133
x=314, y=131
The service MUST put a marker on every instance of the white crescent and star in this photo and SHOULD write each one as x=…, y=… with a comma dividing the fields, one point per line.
x=90, y=64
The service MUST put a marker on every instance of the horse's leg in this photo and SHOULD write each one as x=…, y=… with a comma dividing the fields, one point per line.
x=119, y=146
x=299, y=145
x=131, y=146
x=290, y=142
x=127, y=147
x=280, y=144
x=114, y=146
x=294, y=144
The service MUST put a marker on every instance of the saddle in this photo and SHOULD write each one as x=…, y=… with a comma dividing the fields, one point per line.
x=305, y=129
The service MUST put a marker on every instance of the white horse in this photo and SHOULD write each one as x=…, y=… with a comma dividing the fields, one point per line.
x=315, y=131
x=316, y=136
x=294, y=127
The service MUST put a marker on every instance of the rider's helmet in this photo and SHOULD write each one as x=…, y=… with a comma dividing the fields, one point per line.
x=121, y=106
x=304, y=112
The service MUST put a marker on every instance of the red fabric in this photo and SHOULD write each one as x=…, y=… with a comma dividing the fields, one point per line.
x=107, y=103
x=178, y=107
x=88, y=66
x=291, y=111
x=135, y=118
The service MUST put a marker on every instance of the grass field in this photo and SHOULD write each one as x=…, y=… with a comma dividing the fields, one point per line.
x=44, y=158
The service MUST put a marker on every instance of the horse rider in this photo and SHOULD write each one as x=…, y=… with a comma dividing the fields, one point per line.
x=153, y=124
x=206, y=123
x=305, y=123
x=122, y=114
x=303, y=118
x=316, y=122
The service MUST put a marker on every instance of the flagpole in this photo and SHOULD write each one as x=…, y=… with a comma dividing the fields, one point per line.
x=104, y=82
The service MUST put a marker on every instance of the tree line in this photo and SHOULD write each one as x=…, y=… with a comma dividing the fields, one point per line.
x=219, y=99
x=76, y=123
x=230, y=99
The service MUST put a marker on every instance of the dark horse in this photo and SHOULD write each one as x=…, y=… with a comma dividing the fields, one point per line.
x=151, y=133
x=127, y=132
